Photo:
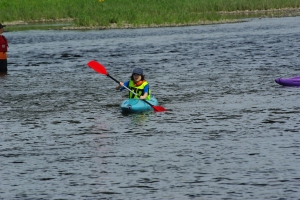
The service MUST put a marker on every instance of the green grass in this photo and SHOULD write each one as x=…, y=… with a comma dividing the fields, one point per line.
x=135, y=12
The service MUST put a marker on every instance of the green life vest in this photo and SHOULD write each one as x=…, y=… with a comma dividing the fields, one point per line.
x=138, y=90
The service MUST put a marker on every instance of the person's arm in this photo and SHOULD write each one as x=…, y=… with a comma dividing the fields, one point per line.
x=120, y=86
x=145, y=95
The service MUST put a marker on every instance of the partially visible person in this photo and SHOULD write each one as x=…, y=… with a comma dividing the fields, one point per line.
x=138, y=84
x=3, y=50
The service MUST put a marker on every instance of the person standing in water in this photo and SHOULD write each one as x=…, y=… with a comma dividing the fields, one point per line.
x=138, y=84
x=3, y=50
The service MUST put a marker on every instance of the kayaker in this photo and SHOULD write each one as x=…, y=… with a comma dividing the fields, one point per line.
x=3, y=50
x=138, y=84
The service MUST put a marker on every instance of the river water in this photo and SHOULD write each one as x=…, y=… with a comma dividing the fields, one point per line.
x=230, y=131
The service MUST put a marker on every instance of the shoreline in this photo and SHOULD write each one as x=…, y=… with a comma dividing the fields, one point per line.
x=273, y=13
x=130, y=26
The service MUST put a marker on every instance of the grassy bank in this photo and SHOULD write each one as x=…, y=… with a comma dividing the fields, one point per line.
x=134, y=12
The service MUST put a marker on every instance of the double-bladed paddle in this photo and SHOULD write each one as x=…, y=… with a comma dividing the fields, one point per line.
x=101, y=69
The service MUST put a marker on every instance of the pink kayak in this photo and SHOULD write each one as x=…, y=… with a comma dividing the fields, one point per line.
x=293, y=81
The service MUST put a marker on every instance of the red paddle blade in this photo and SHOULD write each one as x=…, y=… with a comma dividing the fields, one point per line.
x=159, y=109
x=97, y=67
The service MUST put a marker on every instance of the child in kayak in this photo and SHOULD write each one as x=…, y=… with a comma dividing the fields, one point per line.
x=137, y=84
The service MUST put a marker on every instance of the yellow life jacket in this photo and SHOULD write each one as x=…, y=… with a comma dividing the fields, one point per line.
x=138, y=90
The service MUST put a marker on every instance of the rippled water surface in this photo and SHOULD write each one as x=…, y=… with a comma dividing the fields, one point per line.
x=230, y=131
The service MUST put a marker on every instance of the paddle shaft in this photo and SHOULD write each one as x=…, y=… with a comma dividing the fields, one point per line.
x=129, y=89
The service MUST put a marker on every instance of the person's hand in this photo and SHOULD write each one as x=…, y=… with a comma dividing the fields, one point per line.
x=119, y=86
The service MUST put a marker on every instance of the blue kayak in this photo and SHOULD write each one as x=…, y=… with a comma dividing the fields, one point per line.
x=137, y=105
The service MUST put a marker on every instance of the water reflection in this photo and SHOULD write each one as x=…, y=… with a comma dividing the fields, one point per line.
x=38, y=26
x=138, y=118
x=3, y=74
